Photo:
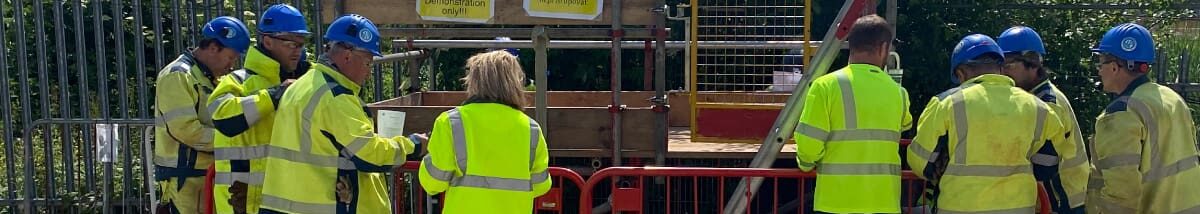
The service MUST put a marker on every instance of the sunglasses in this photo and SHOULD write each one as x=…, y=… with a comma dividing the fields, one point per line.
x=286, y=42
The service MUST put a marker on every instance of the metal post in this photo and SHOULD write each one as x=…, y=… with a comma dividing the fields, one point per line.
x=661, y=106
x=97, y=12
x=647, y=67
x=785, y=123
x=176, y=28
x=414, y=73
x=84, y=111
x=9, y=141
x=44, y=81
x=539, y=71
x=26, y=104
x=64, y=94
x=615, y=64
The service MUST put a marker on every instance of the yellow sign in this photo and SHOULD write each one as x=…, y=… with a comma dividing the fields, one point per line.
x=474, y=11
x=565, y=9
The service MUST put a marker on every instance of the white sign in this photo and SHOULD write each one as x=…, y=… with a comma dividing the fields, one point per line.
x=473, y=11
x=391, y=123
x=565, y=9
x=108, y=144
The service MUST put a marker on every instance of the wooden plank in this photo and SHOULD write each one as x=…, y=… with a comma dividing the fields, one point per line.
x=678, y=116
x=567, y=128
x=510, y=12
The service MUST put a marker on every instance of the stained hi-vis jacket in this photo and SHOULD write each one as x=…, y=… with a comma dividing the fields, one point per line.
x=243, y=109
x=976, y=141
x=183, y=131
x=1146, y=154
x=850, y=131
x=324, y=156
x=1065, y=175
x=486, y=158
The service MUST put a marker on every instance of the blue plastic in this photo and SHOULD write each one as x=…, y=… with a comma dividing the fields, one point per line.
x=356, y=30
x=971, y=47
x=229, y=32
x=1128, y=41
x=282, y=18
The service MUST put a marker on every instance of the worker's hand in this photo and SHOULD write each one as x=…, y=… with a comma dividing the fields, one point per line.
x=287, y=82
x=419, y=137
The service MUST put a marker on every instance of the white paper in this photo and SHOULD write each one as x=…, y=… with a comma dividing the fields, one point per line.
x=107, y=142
x=391, y=123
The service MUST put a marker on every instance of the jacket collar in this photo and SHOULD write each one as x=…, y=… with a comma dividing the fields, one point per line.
x=258, y=62
x=1133, y=85
x=990, y=79
x=204, y=71
x=331, y=74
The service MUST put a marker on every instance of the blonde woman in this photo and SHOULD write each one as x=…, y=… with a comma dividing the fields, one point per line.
x=487, y=155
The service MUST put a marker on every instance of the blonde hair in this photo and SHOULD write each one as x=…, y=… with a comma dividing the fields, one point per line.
x=495, y=76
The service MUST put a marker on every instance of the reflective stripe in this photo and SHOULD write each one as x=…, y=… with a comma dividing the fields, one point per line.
x=805, y=164
x=1195, y=209
x=960, y=126
x=1109, y=206
x=241, y=153
x=865, y=135
x=1095, y=182
x=214, y=104
x=434, y=171
x=848, y=135
x=270, y=201
x=174, y=114
x=534, y=137
x=1044, y=159
x=495, y=183
x=1151, y=128
x=1077, y=199
x=250, y=110
x=460, y=139
x=858, y=169
x=922, y=152
x=539, y=177
x=1039, y=126
x=812, y=132
x=1118, y=161
x=1079, y=159
x=848, y=106
x=357, y=144
x=252, y=178
x=1158, y=173
x=988, y=170
x=1022, y=210
x=311, y=159
x=306, y=122
x=165, y=161
x=241, y=75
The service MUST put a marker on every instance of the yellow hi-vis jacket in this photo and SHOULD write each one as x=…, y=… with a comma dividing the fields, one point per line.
x=182, y=132
x=1065, y=175
x=486, y=158
x=976, y=142
x=850, y=131
x=324, y=156
x=243, y=108
x=1146, y=153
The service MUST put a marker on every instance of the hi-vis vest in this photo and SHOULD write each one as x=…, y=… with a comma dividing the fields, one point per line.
x=183, y=132
x=984, y=134
x=324, y=156
x=850, y=131
x=243, y=111
x=1065, y=176
x=486, y=158
x=1145, y=154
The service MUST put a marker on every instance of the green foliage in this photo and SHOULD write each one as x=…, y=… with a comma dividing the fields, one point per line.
x=929, y=29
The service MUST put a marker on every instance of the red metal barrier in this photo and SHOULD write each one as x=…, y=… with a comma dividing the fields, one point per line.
x=552, y=201
x=631, y=198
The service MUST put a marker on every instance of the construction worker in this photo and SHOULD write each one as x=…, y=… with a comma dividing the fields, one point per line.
x=976, y=141
x=324, y=156
x=1145, y=145
x=850, y=128
x=243, y=106
x=183, y=130
x=487, y=156
x=1065, y=176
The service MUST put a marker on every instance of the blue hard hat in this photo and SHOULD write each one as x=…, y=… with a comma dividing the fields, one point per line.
x=282, y=18
x=229, y=32
x=1128, y=41
x=355, y=30
x=512, y=51
x=972, y=47
x=1020, y=38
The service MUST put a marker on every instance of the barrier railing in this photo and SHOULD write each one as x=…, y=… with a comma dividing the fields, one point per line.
x=630, y=194
x=564, y=180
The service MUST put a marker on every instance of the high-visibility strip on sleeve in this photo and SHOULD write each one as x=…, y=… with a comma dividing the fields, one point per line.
x=434, y=171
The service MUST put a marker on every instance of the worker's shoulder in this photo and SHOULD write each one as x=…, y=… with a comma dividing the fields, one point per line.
x=946, y=94
x=1048, y=93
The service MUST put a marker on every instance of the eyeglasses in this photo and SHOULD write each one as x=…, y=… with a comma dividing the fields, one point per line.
x=287, y=43
x=361, y=53
x=1101, y=60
